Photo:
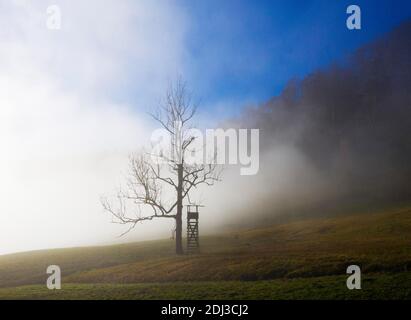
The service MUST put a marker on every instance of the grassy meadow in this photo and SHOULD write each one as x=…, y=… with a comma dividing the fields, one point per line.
x=302, y=259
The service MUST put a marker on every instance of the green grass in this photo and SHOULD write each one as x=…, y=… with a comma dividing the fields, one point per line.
x=303, y=258
x=382, y=287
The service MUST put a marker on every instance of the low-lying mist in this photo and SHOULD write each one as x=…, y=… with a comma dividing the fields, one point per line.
x=336, y=141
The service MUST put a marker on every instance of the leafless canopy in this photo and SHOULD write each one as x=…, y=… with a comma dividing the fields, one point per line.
x=157, y=189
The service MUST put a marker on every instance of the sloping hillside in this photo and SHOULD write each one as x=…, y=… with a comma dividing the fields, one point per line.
x=379, y=242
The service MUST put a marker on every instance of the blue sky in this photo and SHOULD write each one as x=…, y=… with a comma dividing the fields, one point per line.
x=246, y=51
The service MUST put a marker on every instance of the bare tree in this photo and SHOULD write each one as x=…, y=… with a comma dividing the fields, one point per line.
x=158, y=189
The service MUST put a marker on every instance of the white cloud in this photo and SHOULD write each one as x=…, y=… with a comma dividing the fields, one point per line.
x=63, y=137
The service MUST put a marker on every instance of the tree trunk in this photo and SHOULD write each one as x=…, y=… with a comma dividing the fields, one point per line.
x=179, y=215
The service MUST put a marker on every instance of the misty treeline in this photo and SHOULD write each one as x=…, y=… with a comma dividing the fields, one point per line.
x=349, y=123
